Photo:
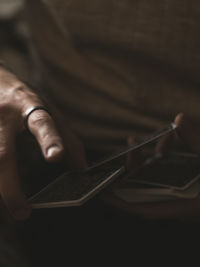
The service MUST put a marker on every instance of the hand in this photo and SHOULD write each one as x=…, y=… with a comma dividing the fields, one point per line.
x=187, y=135
x=15, y=100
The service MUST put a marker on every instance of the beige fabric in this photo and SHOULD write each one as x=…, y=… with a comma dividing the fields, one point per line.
x=119, y=67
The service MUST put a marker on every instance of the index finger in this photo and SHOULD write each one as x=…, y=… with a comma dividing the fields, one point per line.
x=42, y=126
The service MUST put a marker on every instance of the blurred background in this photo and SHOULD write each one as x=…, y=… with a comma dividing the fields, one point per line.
x=10, y=8
x=14, y=38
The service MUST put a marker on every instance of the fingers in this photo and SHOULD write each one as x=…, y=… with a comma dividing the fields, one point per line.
x=189, y=132
x=43, y=128
x=10, y=190
x=53, y=147
x=186, y=133
x=165, y=143
x=74, y=156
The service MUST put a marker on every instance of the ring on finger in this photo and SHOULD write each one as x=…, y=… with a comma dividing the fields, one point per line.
x=30, y=111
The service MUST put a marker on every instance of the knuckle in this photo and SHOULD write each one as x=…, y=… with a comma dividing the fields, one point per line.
x=9, y=116
x=5, y=108
x=51, y=137
x=22, y=91
x=8, y=106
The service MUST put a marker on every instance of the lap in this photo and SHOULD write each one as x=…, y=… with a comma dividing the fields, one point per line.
x=181, y=209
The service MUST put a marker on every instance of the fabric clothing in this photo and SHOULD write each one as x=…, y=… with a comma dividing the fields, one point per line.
x=114, y=68
x=117, y=68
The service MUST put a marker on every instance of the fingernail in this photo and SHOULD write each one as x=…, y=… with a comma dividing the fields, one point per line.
x=53, y=151
x=22, y=213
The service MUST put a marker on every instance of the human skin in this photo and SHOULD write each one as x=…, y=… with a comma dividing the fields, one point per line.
x=187, y=135
x=16, y=98
x=57, y=141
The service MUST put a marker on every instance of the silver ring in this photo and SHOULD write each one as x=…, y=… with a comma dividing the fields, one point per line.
x=30, y=111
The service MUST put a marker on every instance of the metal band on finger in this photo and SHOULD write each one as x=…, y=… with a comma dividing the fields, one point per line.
x=30, y=111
